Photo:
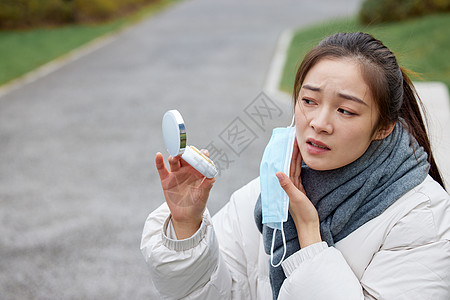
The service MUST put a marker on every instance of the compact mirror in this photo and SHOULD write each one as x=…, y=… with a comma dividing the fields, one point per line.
x=174, y=134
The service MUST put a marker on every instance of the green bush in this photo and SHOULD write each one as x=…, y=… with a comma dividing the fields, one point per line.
x=379, y=11
x=92, y=10
x=88, y=10
x=31, y=13
x=26, y=13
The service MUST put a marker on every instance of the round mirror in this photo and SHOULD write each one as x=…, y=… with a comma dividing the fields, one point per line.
x=174, y=132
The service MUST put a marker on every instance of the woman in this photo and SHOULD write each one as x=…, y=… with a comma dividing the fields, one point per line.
x=368, y=215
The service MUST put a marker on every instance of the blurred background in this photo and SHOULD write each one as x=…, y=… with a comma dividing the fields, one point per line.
x=83, y=88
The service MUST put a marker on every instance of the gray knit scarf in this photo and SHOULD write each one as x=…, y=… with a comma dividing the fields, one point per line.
x=350, y=196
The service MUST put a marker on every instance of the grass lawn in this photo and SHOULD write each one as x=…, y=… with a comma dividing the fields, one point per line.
x=23, y=51
x=421, y=45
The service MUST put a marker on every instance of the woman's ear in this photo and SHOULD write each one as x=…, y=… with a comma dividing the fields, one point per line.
x=384, y=132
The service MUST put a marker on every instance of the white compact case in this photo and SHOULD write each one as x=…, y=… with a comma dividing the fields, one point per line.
x=174, y=134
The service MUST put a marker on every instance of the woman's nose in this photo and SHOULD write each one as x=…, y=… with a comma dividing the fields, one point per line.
x=321, y=121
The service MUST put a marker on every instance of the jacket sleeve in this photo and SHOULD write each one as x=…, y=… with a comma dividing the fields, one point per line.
x=188, y=269
x=319, y=272
x=411, y=263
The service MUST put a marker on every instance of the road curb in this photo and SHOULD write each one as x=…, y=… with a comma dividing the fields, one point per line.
x=275, y=72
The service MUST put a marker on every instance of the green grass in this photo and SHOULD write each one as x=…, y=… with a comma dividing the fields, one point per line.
x=421, y=45
x=23, y=51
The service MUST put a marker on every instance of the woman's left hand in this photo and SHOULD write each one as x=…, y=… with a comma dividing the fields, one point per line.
x=302, y=210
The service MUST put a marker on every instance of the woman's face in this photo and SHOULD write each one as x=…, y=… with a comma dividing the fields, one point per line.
x=335, y=115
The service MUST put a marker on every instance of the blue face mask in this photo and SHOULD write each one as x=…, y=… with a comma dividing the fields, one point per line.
x=274, y=200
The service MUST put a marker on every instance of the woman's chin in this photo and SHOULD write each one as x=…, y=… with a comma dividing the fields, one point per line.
x=316, y=166
x=319, y=164
x=312, y=162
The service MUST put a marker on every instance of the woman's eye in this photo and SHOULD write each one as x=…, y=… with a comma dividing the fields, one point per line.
x=308, y=101
x=345, y=112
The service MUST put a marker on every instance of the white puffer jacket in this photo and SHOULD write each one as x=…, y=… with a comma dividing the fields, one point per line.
x=402, y=254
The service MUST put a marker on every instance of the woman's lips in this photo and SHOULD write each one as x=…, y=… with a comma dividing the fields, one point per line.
x=316, y=147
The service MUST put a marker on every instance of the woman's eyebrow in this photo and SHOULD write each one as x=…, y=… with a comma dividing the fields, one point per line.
x=342, y=95
x=352, y=98
x=311, y=88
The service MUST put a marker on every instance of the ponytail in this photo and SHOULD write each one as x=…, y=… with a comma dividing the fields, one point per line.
x=411, y=114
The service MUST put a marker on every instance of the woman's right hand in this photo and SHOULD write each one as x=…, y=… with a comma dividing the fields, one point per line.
x=186, y=191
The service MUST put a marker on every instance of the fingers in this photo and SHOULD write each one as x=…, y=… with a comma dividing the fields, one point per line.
x=294, y=160
x=206, y=183
x=296, y=166
x=160, y=166
x=174, y=163
x=302, y=211
x=292, y=166
x=287, y=184
x=205, y=152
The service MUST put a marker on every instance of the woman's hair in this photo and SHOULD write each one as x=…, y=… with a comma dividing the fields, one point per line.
x=393, y=91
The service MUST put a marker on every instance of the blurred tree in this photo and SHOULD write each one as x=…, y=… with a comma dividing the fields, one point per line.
x=379, y=11
x=31, y=13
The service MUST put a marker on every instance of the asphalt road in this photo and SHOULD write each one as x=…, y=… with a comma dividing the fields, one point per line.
x=77, y=175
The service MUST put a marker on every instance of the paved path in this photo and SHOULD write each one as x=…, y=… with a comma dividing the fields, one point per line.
x=77, y=178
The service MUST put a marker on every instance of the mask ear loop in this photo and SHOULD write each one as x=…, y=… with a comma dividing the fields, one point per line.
x=273, y=243
x=293, y=119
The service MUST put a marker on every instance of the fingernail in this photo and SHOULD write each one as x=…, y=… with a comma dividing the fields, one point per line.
x=280, y=176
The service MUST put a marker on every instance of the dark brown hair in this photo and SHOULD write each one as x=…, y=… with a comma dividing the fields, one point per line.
x=393, y=91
